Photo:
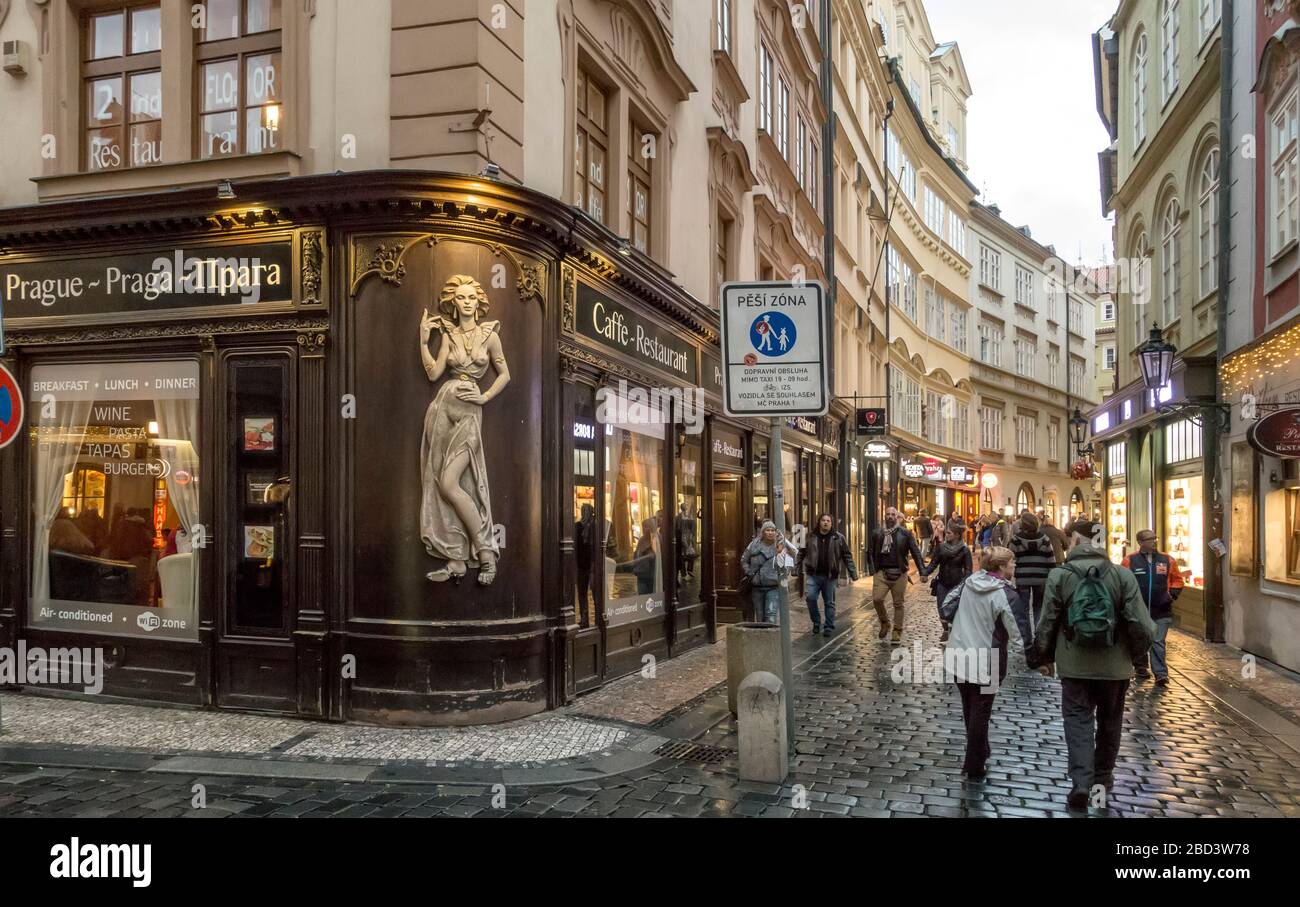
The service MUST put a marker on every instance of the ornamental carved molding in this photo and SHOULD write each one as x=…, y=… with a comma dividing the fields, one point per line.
x=312, y=257
x=578, y=356
x=201, y=329
x=384, y=258
x=312, y=343
x=568, y=300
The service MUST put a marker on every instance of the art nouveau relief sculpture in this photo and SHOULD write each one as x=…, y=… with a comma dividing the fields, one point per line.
x=455, y=507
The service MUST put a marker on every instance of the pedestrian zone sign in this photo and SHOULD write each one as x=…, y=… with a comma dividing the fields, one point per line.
x=774, y=349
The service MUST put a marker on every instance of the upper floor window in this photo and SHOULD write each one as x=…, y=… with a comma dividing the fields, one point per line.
x=958, y=335
x=1169, y=261
x=590, y=155
x=1076, y=376
x=783, y=120
x=640, y=154
x=1140, y=89
x=935, y=313
x=1141, y=284
x=241, y=89
x=122, y=75
x=1026, y=430
x=990, y=351
x=1283, y=178
x=990, y=428
x=952, y=141
x=935, y=211
x=1208, y=226
x=1108, y=311
x=1053, y=364
x=990, y=267
x=1108, y=357
x=1207, y=16
x=1024, y=287
x=723, y=12
x=765, y=75
x=1168, y=49
x=1025, y=353
x=814, y=164
x=800, y=142
x=957, y=233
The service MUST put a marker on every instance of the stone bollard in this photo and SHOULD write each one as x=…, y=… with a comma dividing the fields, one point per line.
x=761, y=725
x=750, y=647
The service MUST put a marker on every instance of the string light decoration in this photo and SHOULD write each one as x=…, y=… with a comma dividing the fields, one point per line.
x=1240, y=371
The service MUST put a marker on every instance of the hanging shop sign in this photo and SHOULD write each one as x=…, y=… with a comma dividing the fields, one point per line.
x=181, y=278
x=872, y=421
x=931, y=470
x=877, y=450
x=803, y=424
x=618, y=327
x=1277, y=434
x=774, y=349
x=728, y=448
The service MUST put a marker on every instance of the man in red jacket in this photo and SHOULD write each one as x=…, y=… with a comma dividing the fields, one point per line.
x=1160, y=583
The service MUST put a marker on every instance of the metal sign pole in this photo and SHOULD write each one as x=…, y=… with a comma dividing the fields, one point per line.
x=775, y=473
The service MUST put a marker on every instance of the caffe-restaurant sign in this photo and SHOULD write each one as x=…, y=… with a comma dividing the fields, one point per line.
x=177, y=278
x=613, y=325
x=1277, y=434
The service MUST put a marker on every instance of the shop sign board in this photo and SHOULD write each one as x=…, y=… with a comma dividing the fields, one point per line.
x=1277, y=434
x=774, y=349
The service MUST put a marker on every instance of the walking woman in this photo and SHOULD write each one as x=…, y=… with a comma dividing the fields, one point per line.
x=953, y=561
x=981, y=629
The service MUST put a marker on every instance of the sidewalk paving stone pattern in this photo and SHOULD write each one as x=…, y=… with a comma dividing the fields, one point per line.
x=866, y=746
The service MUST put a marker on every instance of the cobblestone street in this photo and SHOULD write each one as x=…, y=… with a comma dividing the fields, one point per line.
x=1208, y=745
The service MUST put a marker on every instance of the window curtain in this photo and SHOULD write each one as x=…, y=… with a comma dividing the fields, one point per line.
x=58, y=447
x=177, y=429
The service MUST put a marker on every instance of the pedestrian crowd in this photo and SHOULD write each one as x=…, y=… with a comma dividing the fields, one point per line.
x=1023, y=586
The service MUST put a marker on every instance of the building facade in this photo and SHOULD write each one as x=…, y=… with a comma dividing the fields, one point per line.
x=1102, y=281
x=1030, y=369
x=1158, y=73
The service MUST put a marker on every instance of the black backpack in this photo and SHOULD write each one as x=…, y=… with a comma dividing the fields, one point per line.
x=1090, y=620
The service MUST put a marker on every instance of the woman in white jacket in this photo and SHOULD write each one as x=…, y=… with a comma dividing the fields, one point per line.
x=977, y=648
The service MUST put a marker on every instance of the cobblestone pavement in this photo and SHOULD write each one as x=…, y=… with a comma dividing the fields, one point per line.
x=867, y=746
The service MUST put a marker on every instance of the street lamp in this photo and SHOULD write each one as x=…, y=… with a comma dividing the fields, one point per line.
x=1156, y=357
x=1078, y=428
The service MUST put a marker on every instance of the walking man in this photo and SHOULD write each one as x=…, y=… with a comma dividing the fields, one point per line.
x=1161, y=583
x=1094, y=625
x=1034, y=560
x=887, y=557
x=821, y=559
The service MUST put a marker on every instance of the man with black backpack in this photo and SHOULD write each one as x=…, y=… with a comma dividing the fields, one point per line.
x=1094, y=625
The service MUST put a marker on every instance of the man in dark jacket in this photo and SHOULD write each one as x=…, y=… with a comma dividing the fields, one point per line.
x=887, y=556
x=922, y=530
x=1094, y=679
x=1055, y=536
x=1034, y=560
x=821, y=560
x=1160, y=583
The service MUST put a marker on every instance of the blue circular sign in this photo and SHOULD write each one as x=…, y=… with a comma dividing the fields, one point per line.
x=11, y=407
x=773, y=334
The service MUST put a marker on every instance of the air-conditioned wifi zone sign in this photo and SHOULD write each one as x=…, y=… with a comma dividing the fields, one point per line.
x=774, y=349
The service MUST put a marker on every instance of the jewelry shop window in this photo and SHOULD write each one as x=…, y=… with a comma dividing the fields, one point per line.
x=121, y=74
x=241, y=85
x=115, y=498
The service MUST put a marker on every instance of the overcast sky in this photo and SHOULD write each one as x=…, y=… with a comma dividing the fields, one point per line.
x=1032, y=127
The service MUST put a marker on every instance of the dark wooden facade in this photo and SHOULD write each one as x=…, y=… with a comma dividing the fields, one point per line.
x=362, y=633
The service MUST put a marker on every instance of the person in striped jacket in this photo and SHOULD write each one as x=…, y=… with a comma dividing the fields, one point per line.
x=1035, y=558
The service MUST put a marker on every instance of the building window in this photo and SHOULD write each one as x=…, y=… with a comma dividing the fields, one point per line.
x=952, y=141
x=935, y=313
x=1108, y=311
x=800, y=142
x=990, y=428
x=1169, y=264
x=1283, y=194
x=1076, y=376
x=1025, y=287
x=1108, y=357
x=639, y=200
x=814, y=162
x=1140, y=89
x=958, y=338
x=1207, y=16
x=1168, y=49
x=990, y=268
x=765, y=68
x=1293, y=534
x=122, y=75
x=1053, y=364
x=1025, y=353
x=1117, y=458
x=1054, y=440
x=241, y=88
x=1182, y=441
x=590, y=187
x=1208, y=227
x=723, y=12
x=783, y=119
x=991, y=337
x=722, y=232
x=961, y=426
x=957, y=233
x=1026, y=429
x=906, y=398
x=935, y=211
x=1141, y=283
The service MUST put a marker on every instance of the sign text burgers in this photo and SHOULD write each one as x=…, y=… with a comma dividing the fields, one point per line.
x=773, y=344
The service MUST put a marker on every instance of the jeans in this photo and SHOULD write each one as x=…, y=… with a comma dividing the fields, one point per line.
x=1028, y=609
x=1159, y=666
x=1093, y=713
x=766, y=601
x=976, y=710
x=825, y=586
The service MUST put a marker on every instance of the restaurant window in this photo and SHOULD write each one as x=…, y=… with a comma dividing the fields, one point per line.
x=688, y=520
x=114, y=498
x=241, y=84
x=587, y=526
x=634, y=508
x=590, y=149
x=641, y=152
x=1183, y=525
x=122, y=78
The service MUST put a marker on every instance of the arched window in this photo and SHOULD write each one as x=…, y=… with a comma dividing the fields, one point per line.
x=1208, y=221
x=1140, y=292
x=1025, y=498
x=1140, y=89
x=1169, y=262
x=1168, y=49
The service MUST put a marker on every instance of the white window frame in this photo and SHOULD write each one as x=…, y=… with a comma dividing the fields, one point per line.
x=723, y=35
x=1284, y=153
x=1025, y=354
x=1170, y=263
x=990, y=267
x=1108, y=357
x=1208, y=16
x=1140, y=56
x=959, y=332
x=1026, y=430
x=1054, y=440
x=783, y=111
x=1169, y=14
x=1208, y=226
x=991, y=338
x=766, y=68
x=990, y=428
x=1025, y=287
x=957, y=233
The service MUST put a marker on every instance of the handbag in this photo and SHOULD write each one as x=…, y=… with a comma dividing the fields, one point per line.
x=948, y=608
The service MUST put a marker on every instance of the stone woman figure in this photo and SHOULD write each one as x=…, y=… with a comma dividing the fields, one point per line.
x=455, y=505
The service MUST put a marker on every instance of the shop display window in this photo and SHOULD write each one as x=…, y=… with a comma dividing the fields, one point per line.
x=688, y=523
x=1117, y=523
x=636, y=522
x=1183, y=528
x=586, y=523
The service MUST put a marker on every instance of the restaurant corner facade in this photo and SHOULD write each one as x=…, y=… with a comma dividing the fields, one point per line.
x=270, y=461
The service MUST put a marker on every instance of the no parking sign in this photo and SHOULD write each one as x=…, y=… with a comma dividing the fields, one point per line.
x=11, y=407
x=774, y=349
